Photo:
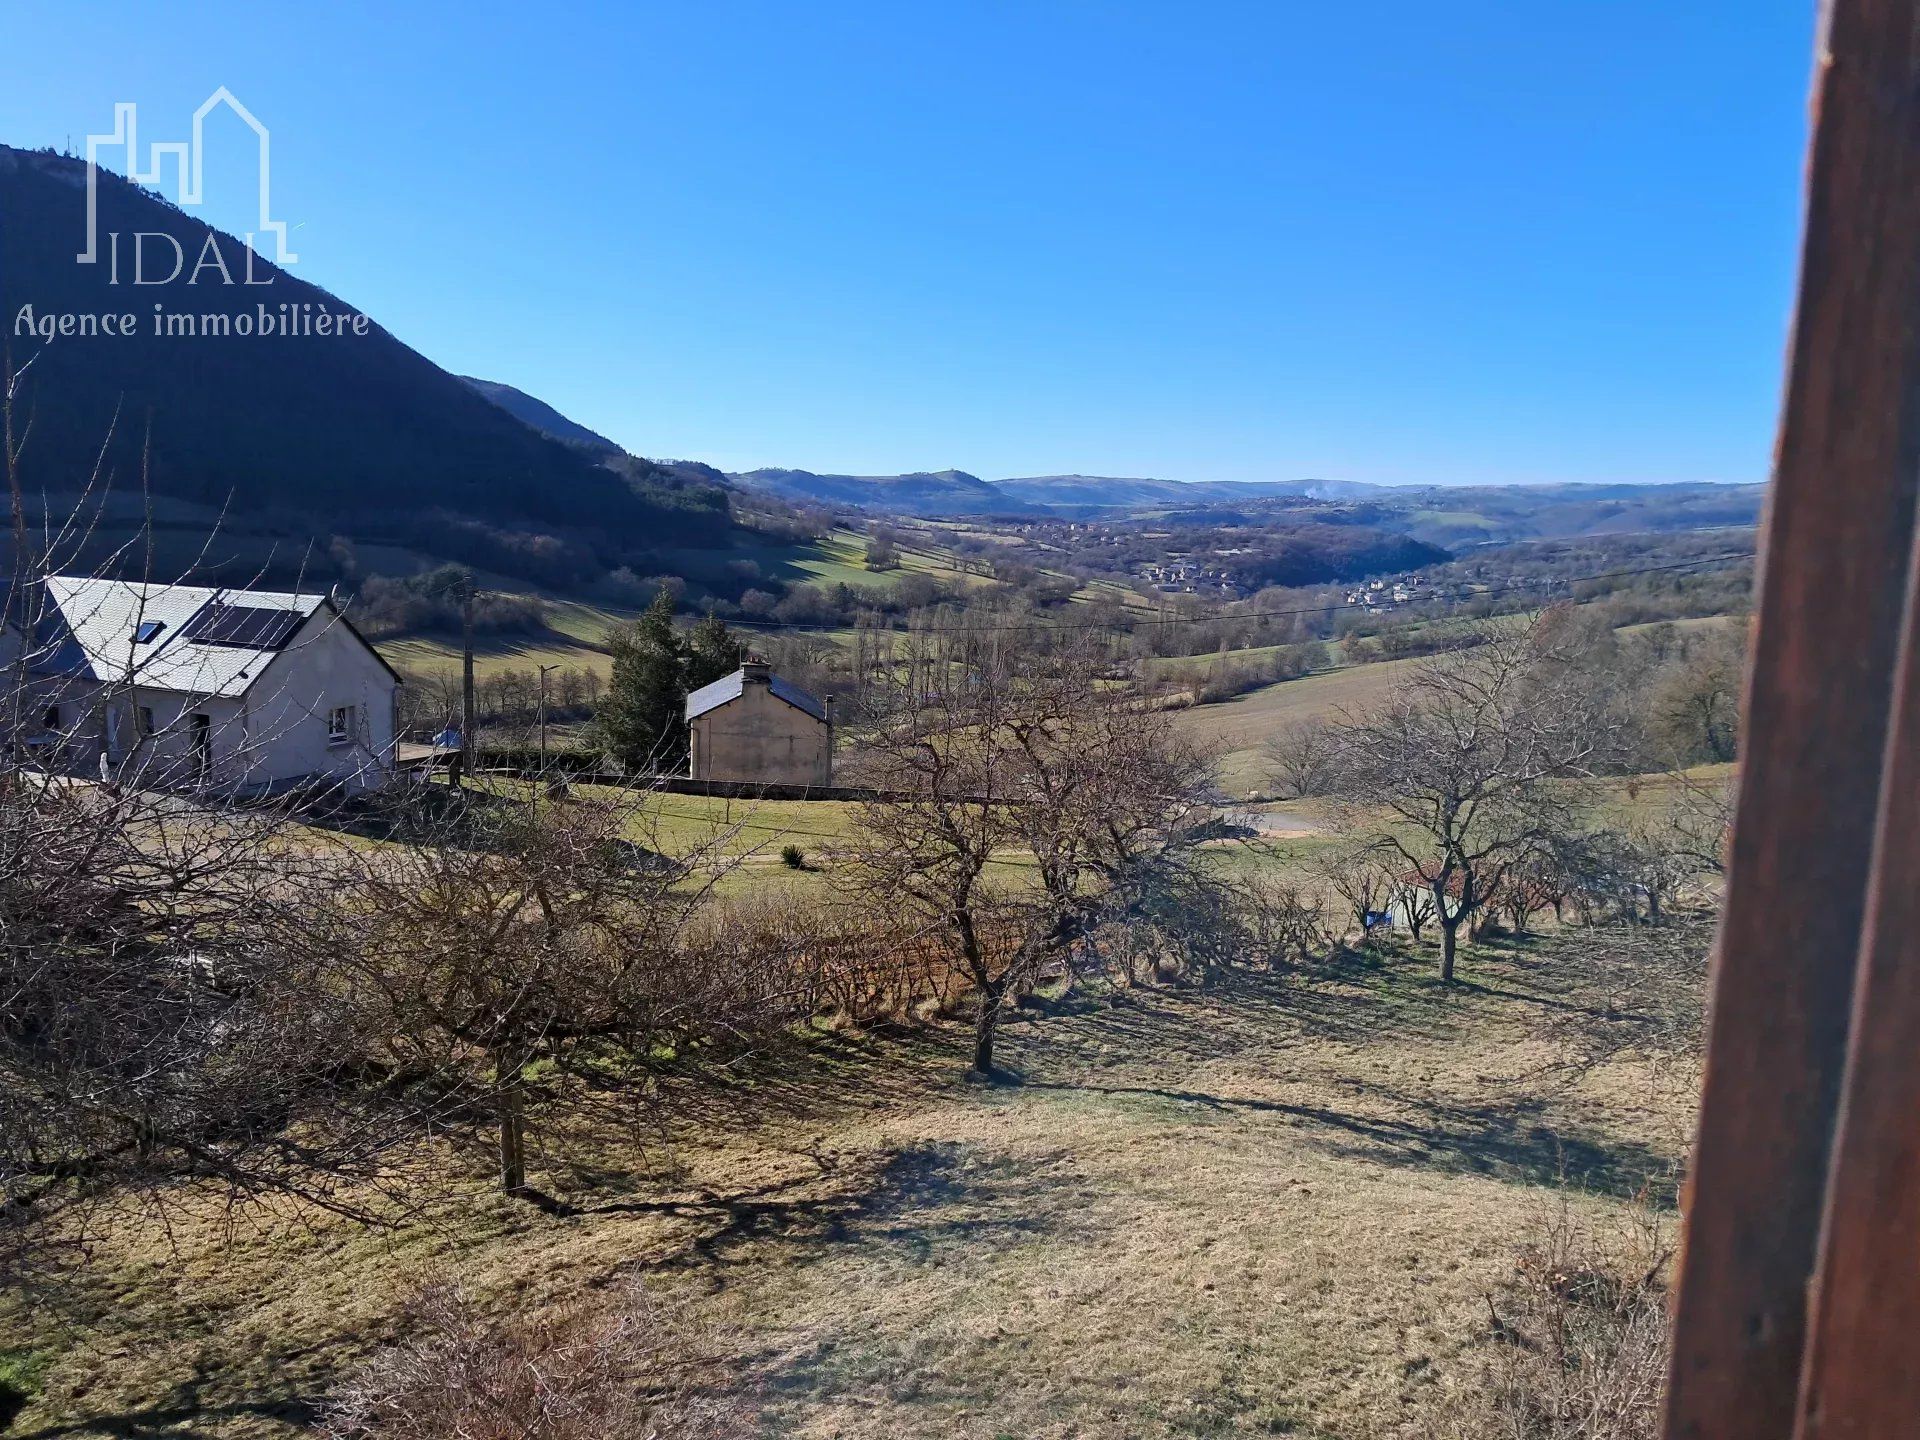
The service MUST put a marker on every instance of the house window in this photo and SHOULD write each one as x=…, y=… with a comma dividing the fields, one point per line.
x=51, y=719
x=148, y=630
x=143, y=720
x=340, y=724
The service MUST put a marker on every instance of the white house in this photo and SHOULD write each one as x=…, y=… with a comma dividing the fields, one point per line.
x=188, y=686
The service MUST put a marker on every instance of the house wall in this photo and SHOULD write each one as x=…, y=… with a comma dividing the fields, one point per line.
x=283, y=735
x=760, y=738
x=167, y=756
x=277, y=732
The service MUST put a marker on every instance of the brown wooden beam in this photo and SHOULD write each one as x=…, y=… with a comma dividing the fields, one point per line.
x=1861, y=1380
x=1833, y=580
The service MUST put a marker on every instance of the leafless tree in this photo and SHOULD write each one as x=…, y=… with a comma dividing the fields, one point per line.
x=1463, y=770
x=163, y=1023
x=512, y=932
x=1300, y=759
x=1414, y=899
x=1280, y=922
x=1022, y=808
x=1360, y=877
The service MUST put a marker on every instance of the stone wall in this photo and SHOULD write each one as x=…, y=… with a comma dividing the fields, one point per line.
x=761, y=739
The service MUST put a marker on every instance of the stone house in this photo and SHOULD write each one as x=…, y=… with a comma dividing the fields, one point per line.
x=753, y=727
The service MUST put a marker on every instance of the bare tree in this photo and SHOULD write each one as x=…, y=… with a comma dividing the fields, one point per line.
x=1359, y=878
x=512, y=932
x=1414, y=900
x=1300, y=759
x=1461, y=771
x=163, y=1023
x=1021, y=809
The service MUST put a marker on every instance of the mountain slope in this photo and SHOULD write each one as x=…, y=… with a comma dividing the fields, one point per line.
x=352, y=431
x=941, y=492
x=531, y=410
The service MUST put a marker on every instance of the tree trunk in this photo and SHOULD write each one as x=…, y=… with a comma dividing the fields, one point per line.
x=1449, y=934
x=513, y=1151
x=986, y=1021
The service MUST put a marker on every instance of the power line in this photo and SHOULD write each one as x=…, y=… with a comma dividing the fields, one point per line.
x=1488, y=592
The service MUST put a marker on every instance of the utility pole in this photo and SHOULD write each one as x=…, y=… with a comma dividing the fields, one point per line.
x=544, y=669
x=466, y=677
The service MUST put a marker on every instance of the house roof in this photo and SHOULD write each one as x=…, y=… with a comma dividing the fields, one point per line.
x=730, y=687
x=203, y=640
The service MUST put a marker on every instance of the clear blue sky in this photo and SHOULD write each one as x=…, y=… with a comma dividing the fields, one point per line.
x=1379, y=240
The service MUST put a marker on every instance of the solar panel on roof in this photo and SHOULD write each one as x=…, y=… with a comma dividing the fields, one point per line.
x=247, y=627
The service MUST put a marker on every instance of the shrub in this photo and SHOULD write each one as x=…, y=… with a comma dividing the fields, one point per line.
x=569, y=1375
x=1579, y=1336
x=793, y=857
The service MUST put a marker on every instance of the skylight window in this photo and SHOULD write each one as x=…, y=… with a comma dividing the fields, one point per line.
x=148, y=630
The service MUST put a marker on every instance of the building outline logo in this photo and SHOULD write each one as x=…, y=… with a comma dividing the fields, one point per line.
x=188, y=156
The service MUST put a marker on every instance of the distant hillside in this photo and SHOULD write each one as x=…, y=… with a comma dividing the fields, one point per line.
x=1452, y=515
x=1101, y=492
x=1445, y=515
x=530, y=410
x=942, y=492
x=353, y=434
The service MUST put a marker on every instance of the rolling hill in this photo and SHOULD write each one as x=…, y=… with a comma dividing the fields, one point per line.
x=941, y=492
x=1105, y=492
x=1447, y=515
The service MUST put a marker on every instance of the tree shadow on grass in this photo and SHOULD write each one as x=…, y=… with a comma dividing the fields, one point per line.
x=1506, y=1140
x=1358, y=998
x=912, y=1201
x=180, y=1414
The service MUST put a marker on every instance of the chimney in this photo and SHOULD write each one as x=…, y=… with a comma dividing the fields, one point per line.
x=755, y=671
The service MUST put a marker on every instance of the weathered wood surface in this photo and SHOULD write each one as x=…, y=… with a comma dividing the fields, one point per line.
x=1861, y=1380
x=1835, y=557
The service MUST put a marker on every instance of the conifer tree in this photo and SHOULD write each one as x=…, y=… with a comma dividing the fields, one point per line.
x=713, y=651
x=642, y=721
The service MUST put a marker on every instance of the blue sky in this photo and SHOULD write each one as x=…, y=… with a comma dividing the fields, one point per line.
x=1379, y=241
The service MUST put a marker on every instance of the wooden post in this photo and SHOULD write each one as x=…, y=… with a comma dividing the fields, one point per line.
x=1860, y=1381
x=1833, y=578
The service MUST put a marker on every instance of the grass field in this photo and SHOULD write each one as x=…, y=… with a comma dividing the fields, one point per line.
x=1271, y=1205
x=576, y=635
x=746, y=837
x=1237, y=729
x=576, y=639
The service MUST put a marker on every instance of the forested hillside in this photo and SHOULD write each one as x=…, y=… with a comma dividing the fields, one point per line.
x=352, y=433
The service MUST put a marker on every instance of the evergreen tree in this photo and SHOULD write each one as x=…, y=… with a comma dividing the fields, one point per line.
x=712, y=651
x=643, y=719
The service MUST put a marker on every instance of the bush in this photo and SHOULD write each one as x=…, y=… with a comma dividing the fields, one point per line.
x=566, y=1376
x=1579, y=1336
x=793, y=857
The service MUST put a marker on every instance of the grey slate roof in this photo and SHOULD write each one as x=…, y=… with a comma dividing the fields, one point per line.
x=729, y=687
x=88, y=631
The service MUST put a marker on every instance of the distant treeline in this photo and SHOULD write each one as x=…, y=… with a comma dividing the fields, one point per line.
x=432, y=602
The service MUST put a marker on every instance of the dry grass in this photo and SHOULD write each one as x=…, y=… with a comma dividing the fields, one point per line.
x=1238, y=728
x=1273, y=1205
